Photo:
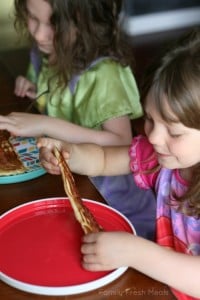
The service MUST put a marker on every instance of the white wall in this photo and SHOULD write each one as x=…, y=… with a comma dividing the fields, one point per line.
x=9, y=39
x=5, y=8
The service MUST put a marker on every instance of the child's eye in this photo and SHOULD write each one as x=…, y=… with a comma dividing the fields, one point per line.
x=174, y=135
x=31, y=17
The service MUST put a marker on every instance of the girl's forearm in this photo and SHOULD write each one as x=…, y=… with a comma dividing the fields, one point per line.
x=87, y=158
x=73, y=133
x=94, y=160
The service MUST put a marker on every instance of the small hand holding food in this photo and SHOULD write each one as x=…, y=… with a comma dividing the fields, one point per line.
x=85, y=159
x=47, y=157
x=106, y=250
x=24, y=88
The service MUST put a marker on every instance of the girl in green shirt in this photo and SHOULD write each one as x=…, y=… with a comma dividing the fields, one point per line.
x=79, y=76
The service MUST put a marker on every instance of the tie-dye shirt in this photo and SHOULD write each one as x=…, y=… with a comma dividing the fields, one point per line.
x=173, y=229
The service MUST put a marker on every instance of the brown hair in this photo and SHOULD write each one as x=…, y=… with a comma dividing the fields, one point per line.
x=177, y=75
x=97, y=28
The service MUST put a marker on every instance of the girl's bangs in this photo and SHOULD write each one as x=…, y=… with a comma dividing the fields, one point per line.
x=161, y=94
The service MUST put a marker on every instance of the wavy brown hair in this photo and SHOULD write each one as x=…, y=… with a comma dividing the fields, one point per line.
x=97, y=28
x=177, y=76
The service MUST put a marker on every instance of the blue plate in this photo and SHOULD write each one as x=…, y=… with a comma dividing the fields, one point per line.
x=29, y=155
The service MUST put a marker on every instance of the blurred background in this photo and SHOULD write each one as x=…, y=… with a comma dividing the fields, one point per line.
x=8, y=36
x=152, y=25
x=151, y=16
x=148, y=24
x=6, y=30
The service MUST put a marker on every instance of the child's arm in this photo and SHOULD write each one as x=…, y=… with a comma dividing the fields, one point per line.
x=115, y=132
x=87, y=159
x=110, y=250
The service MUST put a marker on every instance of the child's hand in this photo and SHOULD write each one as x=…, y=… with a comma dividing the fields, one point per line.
x=24, y=124
x=106, y=250
x=24, y=88
x=47, y=158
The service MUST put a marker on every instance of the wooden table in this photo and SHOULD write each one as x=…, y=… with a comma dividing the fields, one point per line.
x=131, y=285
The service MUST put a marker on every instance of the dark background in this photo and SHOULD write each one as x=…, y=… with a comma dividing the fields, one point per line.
x=139, y=7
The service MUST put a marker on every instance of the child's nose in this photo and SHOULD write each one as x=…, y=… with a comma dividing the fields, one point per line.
x=156, y=136
x=40, y=33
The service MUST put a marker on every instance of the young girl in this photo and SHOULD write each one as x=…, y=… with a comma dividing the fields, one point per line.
x=168, y=160
x=82, y=84
x=79, y=73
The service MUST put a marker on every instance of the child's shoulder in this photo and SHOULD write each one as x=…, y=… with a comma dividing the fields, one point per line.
x=111, y=73
x=141, y=148
x=108, y=64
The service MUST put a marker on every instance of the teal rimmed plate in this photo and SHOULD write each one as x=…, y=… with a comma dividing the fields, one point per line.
x=29, y=155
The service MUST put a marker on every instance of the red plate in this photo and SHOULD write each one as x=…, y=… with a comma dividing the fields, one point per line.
x=40, y=247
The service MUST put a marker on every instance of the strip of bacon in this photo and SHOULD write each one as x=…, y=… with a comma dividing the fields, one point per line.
x=82, y=213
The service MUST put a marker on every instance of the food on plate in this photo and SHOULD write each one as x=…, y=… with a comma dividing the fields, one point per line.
x=82, y=213
x=10, y=163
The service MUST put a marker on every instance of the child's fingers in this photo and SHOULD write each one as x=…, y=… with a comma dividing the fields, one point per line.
x=31, y=94
x=50, y=168
x=47, y=143
x=90, y=238
x=92, y=266
x=47, y=157
x=49, y=161
x=42, y=142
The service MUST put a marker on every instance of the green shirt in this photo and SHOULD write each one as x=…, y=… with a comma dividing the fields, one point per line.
x=104, y=91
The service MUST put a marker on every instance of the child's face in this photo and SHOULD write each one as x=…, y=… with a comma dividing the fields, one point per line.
x=176, y=146
x=39, y=26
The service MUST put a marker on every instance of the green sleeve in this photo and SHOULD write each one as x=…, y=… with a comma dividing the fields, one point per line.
x=104, y=92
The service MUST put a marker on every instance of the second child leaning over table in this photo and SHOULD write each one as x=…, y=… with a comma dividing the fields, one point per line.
x=170, y=164
x=85, y=90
